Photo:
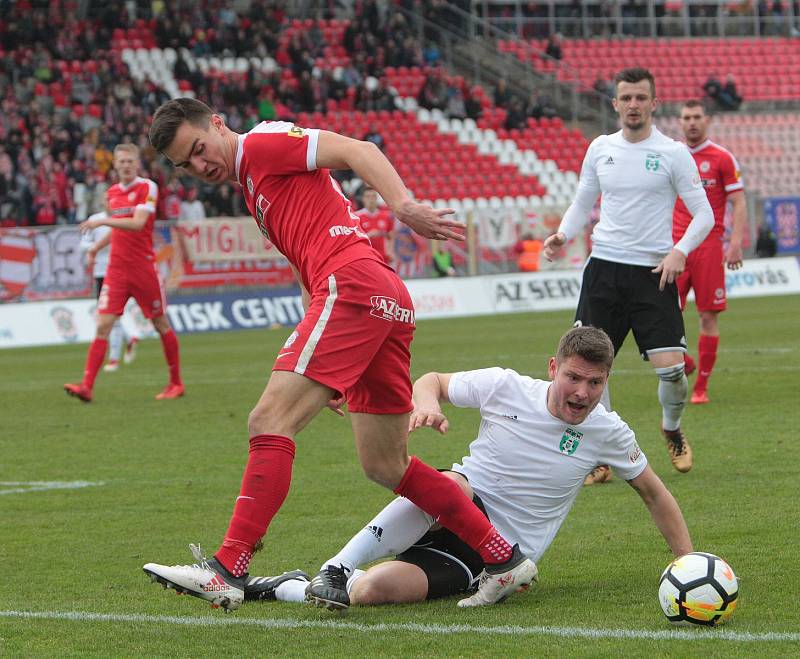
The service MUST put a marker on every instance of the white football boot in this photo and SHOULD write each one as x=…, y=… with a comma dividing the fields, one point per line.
x=498, y=581
x=206, y=579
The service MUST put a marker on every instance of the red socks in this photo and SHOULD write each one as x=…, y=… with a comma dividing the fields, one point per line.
x=707, y=355
x=94, y=360
x=265, y=485
x=170, y=344
x=443, y=499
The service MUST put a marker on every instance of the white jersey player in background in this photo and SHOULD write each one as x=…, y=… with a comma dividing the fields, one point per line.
x=95, y=245
x=629, y=279
x=536, y=442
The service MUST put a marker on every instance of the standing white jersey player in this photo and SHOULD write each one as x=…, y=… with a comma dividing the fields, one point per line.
x=629, y=280
x=119, y=335
x=536, y=443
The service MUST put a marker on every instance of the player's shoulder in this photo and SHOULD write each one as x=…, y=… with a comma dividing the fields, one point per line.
x=720, y=151
x=668, y=144
x=274, y=128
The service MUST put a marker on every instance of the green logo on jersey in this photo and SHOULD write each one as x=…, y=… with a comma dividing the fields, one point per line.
x=651, y=162
x=570, y=441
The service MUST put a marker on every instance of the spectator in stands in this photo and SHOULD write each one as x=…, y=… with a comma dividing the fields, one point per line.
x=456, y=107
x=516, y=117
x=433, y=94
x=442, y=260
x=502, y=95
x=171, y=206
x=528, y=250
x=767, y=242
x=553, y=47
x=192, y=208
x=729, y=96
x=472, y=103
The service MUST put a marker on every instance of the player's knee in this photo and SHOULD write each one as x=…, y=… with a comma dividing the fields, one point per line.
x=366, y=592
x=385, y=470
x=381, y=587
x=462, y=482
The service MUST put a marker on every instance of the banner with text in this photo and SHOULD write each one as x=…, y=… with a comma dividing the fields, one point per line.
x=71, y=321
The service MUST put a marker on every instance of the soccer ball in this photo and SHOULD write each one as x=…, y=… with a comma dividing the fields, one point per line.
x=698, y=589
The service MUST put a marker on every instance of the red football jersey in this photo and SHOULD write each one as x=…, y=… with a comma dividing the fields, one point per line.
x=377, y=226
x=720, y=174
x=300, y=209
x=132, y=247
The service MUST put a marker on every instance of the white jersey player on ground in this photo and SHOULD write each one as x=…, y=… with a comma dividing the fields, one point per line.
x=98, y=261
x=629, y=279
x=536, y=443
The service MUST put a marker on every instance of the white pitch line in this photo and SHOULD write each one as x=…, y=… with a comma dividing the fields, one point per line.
x=415, y=628
x=23, y=487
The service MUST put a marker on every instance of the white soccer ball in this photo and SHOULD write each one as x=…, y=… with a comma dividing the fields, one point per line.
x=698, y=589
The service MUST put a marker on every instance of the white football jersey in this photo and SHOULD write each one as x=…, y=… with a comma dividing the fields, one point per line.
x=90, y=238
x=639, y=182
x=526, y=465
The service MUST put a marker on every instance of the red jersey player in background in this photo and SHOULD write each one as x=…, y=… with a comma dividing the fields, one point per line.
x=353, y=343
x=378, y=223
x=705, y=266
x=132, y=271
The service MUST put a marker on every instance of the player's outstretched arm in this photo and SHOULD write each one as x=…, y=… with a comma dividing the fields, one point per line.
x=135, y=223
x=429, y=392
x=664, y=509
x=336, y=151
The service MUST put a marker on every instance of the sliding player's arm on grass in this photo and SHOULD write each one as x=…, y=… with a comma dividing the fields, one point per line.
x=664, y=510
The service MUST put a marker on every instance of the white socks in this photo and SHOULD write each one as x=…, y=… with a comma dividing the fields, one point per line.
x=672, y=390
x=115, y=340
x=393, y=530
x=295, y=590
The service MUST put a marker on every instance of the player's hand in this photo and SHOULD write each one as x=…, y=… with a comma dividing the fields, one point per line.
x=671, y=266
x=430, y=222
x=88, y=225
x=428, y=419
x=733, y=256
x=335, y=404
x=553, y=245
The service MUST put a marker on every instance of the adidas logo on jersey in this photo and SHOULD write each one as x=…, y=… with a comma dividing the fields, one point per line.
x=610, y=161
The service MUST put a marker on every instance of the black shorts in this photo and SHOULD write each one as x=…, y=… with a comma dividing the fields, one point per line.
x=452, y=566
x=617, y=298
x=98, y=285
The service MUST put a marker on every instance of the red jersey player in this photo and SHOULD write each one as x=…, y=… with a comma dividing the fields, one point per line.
x=132, y=271
x=378, y=224
x=353, y=343
x=705, y=271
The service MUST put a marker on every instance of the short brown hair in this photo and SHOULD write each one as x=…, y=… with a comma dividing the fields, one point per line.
x=172, y=115
x=127, y=146
x=633, y=75
x=590, y=343
x=694, y=103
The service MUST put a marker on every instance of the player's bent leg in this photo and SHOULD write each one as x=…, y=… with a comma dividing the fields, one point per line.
x=392, y=582
x=288, y=404
x=382, y=442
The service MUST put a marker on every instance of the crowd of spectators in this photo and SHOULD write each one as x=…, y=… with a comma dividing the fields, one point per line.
x=67, y=97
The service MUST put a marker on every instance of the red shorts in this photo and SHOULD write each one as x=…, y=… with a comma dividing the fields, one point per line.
x=705, y=273
x=356, y=338
x=142, y=284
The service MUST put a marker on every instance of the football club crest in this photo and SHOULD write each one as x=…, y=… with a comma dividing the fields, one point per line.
x=570, y=441
x=651, y=162
x=250, y=185
x=705, y=166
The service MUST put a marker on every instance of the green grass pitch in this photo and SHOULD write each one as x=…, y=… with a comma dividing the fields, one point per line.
x=170, y=472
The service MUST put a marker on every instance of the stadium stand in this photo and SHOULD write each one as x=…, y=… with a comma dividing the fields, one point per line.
x=764, y=69
x=767, y=147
